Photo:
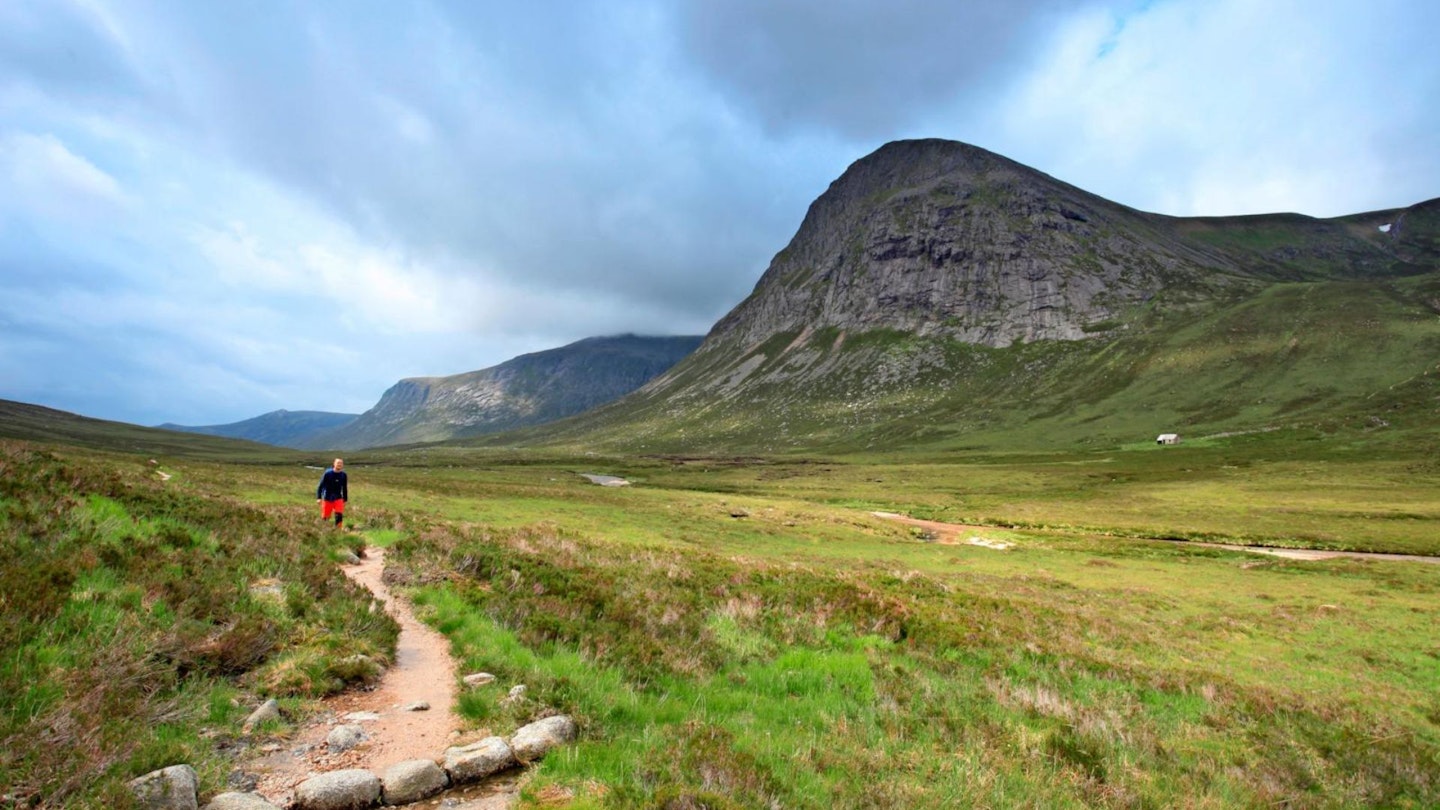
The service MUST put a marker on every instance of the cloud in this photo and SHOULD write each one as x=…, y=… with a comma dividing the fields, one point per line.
x=47, y=180
x=863, y=70
x=1234, y=107
x=217, y=209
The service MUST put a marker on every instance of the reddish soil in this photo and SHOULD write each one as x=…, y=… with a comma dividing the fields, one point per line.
x=423, y=671
x=947, y=534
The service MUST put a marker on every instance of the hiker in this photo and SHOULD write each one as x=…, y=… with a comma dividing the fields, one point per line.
x=333, y=492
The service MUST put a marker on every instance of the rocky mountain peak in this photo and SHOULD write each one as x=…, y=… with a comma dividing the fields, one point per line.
x=940, y=237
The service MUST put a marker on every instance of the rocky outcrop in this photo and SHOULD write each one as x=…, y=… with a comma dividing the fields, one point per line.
x=938, y=237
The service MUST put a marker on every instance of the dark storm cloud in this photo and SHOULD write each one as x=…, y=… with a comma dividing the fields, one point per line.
x=862, y=69
x=555, y=149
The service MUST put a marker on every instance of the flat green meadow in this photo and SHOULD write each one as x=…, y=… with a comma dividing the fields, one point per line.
x=743, y=632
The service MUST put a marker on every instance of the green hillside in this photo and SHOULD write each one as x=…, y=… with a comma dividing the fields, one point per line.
x=1318, y=355
x=20, y=420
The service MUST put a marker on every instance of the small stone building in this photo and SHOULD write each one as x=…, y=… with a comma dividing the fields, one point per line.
x=1168, y=438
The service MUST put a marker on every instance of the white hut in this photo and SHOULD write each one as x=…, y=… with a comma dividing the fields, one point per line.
x=1168, y=438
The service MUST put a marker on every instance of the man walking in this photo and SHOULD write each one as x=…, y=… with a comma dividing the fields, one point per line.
x=333, y=492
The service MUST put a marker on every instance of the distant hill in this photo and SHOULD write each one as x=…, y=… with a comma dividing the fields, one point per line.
x=281, y=428
x=19, y=420
x=528, y=390
x=941, y=296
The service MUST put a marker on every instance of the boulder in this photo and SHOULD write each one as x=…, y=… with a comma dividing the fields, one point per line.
x=473, y=762
x=172, y=788
x=240, y=801
x=353, y=789
x=269, y=711
x=411, y=781
x=343, y=738
x=532, y=741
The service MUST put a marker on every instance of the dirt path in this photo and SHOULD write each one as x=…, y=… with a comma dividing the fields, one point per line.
x=949, y=533
x=422, y=673
x=946, y=534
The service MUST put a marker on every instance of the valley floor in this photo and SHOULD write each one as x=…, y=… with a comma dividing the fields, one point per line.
x=746, y=633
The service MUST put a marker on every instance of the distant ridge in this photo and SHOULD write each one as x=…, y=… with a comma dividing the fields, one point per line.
x=527, y=390
x=282, y=428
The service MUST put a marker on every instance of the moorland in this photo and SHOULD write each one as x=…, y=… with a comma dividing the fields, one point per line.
x=743, y=632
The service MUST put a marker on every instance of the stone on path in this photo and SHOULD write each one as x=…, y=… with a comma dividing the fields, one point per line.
x=412, y=780
x=343, y=738
x=172, y=788
x=473, y=762
x=361, y=717
x=268, y=711
x=239, y=801
x=532, y=741
x=417, y=706
x=353, y=789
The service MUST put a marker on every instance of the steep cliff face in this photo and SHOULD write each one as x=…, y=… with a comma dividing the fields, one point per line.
x=936, y=288
x=943, y=238
x=527, y=390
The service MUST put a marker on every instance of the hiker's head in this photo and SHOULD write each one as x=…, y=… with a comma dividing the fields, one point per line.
x=339, y=464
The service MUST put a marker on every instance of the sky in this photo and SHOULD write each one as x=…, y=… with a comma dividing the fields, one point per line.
x=212, y=210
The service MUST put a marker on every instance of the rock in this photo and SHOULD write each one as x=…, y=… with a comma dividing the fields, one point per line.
x=240, y=801
x=172, y=788
x=478, y=679
x=738, y=513
x=362, y=717
x=411, y=781
x=417, y=706
x=532, y=741
x=352, y=789
x=242, y=782
x=343, y=738
x=348, y=557
x=269, y=711
x=516, y=694
x=473, y=762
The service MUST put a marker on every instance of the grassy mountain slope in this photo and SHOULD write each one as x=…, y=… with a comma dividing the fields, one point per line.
x=281, y=428
x=1302, y=353
x=941, y=297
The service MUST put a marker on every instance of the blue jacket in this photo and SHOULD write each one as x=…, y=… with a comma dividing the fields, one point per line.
x=333, y=486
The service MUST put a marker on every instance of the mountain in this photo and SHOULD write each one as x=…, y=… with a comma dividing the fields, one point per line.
x=281, y=428
x=940, y=295
x=528, y=390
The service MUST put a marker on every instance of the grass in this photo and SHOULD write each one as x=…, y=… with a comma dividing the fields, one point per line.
x=740, y=632
x=139, y=622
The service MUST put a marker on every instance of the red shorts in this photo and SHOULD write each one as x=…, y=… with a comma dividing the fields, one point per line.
x=328, y=508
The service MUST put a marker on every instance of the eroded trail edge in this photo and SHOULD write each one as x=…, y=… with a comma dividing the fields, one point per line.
x=395, y=727
x=423, y=673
